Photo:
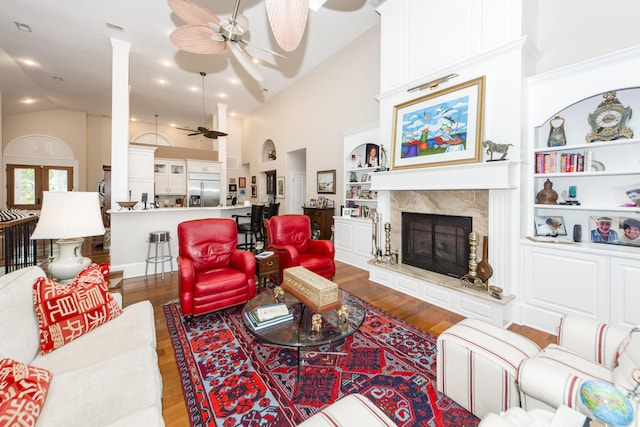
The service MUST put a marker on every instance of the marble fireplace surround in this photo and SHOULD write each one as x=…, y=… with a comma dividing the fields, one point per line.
x=488, y=192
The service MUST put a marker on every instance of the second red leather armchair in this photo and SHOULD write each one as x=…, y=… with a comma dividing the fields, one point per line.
x=290, y=236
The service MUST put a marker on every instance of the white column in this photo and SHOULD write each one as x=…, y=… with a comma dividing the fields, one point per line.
x=222, y=152
x=119, y=121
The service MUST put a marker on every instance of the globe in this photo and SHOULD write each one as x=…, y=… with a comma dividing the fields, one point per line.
x=606, y=403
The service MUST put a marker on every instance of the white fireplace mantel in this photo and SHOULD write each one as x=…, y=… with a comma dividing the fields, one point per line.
x=498, y=175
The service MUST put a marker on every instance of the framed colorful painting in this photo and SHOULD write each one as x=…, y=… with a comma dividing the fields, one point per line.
x=441, y=128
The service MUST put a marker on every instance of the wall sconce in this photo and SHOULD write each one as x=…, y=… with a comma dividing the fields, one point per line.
x=433, y=84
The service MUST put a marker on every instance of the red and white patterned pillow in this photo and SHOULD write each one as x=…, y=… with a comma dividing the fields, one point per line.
x=66, y=312
x=23, y=389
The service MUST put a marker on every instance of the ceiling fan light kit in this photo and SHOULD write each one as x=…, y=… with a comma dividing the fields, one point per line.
x=205, y=33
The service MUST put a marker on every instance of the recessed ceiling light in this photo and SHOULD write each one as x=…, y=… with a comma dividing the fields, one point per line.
x=166, y=63
x=133, y=119
x=162, y=81
x=194, y=88
x=233, y=114
x=22, y=26
x=222, y=95
x=234, y=81
x=29, y=62
x=28, y=101
x=172, y=125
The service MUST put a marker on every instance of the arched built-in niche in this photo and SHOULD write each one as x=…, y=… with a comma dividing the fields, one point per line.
x=268, y=151
x=38, y=150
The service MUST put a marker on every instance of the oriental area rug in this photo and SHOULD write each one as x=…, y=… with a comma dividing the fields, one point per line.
x=232, y=378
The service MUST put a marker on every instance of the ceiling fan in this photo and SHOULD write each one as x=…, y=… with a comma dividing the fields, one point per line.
x=206, y=33
x=202, y=130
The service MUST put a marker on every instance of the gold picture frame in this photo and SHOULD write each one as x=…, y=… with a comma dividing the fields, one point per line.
x=441, y=128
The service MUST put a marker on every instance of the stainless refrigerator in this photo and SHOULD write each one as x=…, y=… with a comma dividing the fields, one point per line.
x=204, y=189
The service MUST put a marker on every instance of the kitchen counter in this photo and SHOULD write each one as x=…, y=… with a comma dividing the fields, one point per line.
x=130, y=233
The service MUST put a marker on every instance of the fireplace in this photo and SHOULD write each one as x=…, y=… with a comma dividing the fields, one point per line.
x=435, y=242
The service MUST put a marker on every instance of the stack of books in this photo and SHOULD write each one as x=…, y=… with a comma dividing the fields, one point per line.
x=268, y=315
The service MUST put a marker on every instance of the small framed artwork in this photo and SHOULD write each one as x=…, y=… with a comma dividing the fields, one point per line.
x=364, y=177
x=232, y=181
x=254, y=191
x=346, y=212
x=242, y=182
x=253, y=179
x=280, y=187
x=233, y=188
x=441, y=128
x=615, y=230
x=550, y=226
x=327, y=182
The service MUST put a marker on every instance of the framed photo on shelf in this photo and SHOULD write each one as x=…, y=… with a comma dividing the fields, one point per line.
x=327, y=182
x=280, y=187
x=550, y=226
x=364, y=177
x=441, y=128
x=372, y=155
x=355, y=192
x=615, y=230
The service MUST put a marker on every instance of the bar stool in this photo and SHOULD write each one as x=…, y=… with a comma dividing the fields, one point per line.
x=158, y=238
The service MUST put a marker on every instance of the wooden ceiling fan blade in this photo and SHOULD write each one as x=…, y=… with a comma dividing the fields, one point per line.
x=214, y=134
x=192, y=13
x=246, y=61
x=287, y=19
x=197, y=39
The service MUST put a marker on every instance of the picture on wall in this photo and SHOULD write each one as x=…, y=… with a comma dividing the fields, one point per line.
x=280, y=187
x=233, y=188
x=254, y=191
x=615, y=230
x=242, y=182
x=327, y=181
x=441, y=128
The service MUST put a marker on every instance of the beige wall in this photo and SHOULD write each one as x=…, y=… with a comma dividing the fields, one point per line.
x=337, y=96
x=68, y=126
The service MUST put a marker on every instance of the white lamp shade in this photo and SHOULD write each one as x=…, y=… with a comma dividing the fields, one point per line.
x=69, y=214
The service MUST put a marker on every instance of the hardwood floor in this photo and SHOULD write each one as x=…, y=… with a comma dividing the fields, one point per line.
x=418, y=313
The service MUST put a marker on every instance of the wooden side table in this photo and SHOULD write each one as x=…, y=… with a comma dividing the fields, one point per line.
x=267, y=268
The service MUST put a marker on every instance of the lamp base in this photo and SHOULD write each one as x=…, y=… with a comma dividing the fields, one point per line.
x=69, y=262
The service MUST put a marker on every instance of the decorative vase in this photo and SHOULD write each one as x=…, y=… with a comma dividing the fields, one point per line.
x=556, y=133
x=547, y=196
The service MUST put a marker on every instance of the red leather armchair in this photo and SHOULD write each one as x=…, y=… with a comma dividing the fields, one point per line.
x=290, y=236
x=213, y=273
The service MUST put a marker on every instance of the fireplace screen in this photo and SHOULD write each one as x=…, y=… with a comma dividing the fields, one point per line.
x=437, y=243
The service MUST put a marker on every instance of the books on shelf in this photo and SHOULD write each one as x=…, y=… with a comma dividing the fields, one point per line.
x=559, y=162
x=257, y=322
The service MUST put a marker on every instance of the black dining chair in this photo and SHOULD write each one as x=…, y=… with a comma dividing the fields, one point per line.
x=251, y=229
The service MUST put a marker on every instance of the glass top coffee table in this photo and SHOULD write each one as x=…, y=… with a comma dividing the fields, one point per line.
x=299, y=332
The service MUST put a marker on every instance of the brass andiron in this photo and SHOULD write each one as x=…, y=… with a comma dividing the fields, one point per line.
x=471, y=279
x=387, y=240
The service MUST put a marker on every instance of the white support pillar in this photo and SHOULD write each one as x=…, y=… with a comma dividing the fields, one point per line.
x=119, y=121
x=222, y=151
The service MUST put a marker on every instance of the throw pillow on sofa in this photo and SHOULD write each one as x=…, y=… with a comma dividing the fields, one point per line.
x=66, y=312
x=626, y=373
x=23, y=389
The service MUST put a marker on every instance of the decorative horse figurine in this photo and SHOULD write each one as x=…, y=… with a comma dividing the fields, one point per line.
x=492, y=147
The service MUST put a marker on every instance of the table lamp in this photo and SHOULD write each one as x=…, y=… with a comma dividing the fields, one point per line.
x=68, y=217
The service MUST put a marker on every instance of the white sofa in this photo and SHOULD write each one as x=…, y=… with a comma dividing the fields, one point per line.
x=106, y=377
x=488, y=370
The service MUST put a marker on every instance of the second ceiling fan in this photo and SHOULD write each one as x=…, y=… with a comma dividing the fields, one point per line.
x=202, y=130
x=206, y=33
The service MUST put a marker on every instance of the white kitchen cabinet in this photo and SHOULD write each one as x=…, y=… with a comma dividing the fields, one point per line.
x=170, y=177
x=140, y=173
x=200, y=166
